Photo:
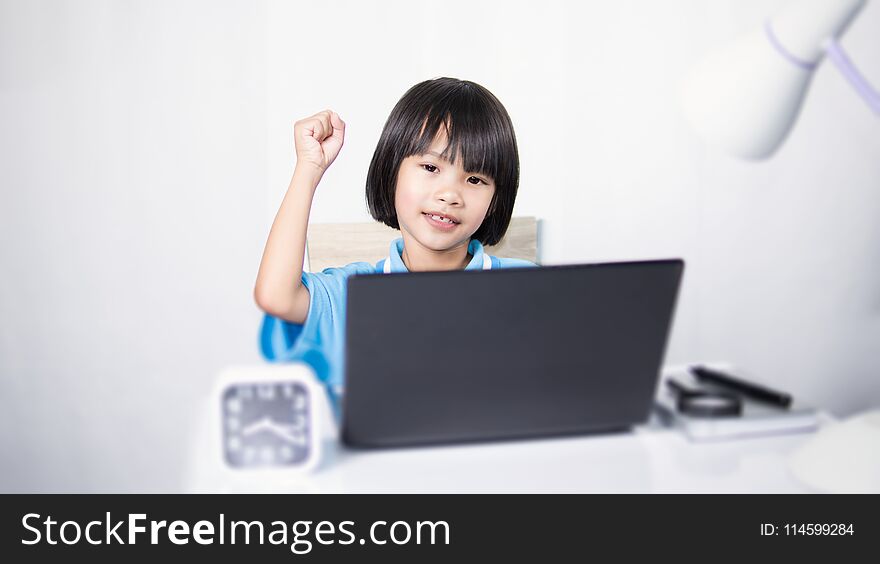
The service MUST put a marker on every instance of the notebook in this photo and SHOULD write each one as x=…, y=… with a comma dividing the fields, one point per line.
x=757, y=418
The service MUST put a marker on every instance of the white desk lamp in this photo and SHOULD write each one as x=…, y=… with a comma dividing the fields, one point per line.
x=746, y=97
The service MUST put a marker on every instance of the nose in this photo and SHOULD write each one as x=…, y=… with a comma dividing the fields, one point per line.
x=449, y=195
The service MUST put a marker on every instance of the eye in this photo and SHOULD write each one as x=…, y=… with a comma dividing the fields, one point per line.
x=429, y=167
x=478, y=180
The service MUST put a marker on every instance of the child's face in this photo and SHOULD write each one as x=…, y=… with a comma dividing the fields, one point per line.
x=428, y=183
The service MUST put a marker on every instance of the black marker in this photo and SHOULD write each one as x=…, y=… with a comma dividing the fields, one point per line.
x=754, y=391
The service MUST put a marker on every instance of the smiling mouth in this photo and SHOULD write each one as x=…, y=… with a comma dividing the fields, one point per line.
x=440, y=218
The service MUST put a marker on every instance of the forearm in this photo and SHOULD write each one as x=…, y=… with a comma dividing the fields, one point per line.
x=279, y=277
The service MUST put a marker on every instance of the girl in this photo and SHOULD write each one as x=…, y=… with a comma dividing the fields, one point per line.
x=445, y=173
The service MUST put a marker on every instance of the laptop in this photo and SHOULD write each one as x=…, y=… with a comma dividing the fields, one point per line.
x=461, y=356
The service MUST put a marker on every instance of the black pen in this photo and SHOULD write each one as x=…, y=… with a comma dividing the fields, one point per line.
x=754, y=391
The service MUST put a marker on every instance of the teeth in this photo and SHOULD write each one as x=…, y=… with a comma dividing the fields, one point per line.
x=443, y=219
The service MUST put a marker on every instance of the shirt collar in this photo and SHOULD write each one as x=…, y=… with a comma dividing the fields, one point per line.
x=475, y=248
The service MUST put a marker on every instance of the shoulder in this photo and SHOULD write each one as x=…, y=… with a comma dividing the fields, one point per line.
x=335, y=278
x=347, y=270
x=500, y=262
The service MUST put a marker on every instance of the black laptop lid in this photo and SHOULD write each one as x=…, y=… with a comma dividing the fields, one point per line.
x=436, y=357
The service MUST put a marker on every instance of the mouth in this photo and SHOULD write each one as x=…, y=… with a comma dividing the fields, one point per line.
x=440, y=222
x=441, y=217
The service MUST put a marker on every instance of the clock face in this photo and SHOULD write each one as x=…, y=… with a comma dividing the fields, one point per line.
x=266, y=424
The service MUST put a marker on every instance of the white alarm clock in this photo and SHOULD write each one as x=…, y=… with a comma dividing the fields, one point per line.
x=270, y=419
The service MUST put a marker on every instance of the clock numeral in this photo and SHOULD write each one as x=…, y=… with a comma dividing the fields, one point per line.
x=233, y=405
x=267, y=455
x=298, y=438
x=266, y=392
x=300, y=402
x=299, y=422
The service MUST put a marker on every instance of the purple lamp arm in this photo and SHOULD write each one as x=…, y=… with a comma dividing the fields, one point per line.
x=850, y=72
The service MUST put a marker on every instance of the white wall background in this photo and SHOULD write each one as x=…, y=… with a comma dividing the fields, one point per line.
x=146, y=147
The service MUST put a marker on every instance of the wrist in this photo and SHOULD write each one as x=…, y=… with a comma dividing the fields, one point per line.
x=308, y=172
x=306, y=169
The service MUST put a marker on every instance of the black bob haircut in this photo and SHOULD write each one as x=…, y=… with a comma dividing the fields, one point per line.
x=478, y=129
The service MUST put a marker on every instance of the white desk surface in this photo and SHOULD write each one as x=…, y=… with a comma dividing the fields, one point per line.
x=650, y=459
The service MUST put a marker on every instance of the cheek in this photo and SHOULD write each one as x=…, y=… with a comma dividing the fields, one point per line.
x=485, y=201
x=404, y=198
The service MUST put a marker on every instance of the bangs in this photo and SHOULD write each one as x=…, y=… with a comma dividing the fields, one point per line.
x=468, y=137
x=476, y=125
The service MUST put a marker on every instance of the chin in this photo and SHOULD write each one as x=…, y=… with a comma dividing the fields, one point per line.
x=438, y=241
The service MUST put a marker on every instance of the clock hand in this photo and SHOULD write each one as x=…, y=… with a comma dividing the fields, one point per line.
x=289, y=436
x=292, y=433
x=257, y=426
x=287, y=433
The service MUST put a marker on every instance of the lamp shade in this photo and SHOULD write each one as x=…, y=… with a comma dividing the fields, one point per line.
x=745, y=97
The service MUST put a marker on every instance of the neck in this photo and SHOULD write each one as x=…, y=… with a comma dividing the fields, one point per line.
x=418, y=258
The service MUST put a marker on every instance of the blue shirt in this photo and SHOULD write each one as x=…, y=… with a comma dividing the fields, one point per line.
x=320, y=341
